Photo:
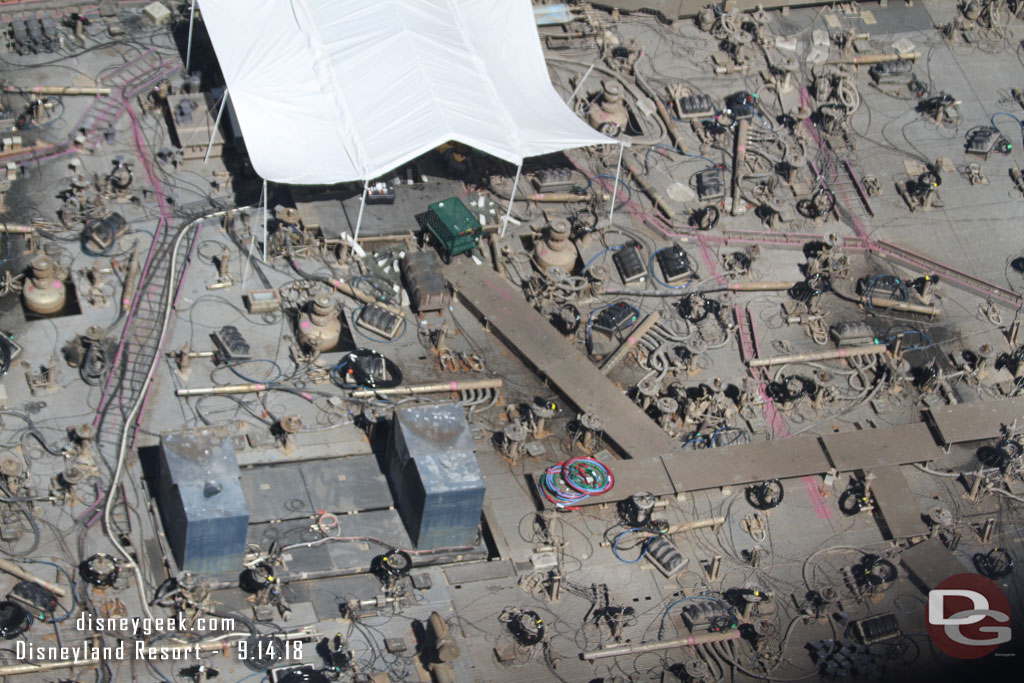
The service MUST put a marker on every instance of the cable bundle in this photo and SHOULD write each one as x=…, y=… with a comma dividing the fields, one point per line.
x=576, y=480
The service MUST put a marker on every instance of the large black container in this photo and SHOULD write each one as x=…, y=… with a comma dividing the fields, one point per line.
x=435, y=476
x=201, y=501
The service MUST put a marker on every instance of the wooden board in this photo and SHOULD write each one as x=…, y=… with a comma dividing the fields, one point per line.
x=976, y=421
x=888, y=447
x=897, y=504
x=735, y=465
x=929, y=564
x=530, y=335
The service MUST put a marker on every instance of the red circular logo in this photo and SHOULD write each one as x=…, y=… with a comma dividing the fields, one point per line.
x=968, y=616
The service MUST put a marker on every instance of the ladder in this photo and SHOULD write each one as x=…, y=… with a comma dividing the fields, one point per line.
x=126, y=81
x=142, y=339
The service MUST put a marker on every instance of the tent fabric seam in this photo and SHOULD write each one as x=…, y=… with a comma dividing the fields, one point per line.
x=485, y=77
x=322, y=64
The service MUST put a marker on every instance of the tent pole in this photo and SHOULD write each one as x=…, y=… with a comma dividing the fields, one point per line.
x=216, y=125
x=359, y=219
x=511, y=199
x=252, y=241
x=582, y=81
x=265, y=211
x=191, y=24
x=615, y=190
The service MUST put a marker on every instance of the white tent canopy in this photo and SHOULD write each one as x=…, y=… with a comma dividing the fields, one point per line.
x=328, y=91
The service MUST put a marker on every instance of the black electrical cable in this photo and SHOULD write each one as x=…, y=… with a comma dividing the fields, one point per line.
x=95, y=364
x=34, y=431
x=100, y=570
x=766, y=495
x=36, y=531
x=570, y=327
x=527, y=627
x=706, y=217
x=359, y=365
x=813, y=207
x=876, y=571
x=995, y=564
x=791, y=388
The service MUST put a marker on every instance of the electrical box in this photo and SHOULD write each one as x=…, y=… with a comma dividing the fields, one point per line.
x=852, y=333
x=629, y=264
x=262, y=301
x=615, y=319
x=711, y=183
x=984, y=140
x=231, y=345
x=554, y=180
x=675, y=264
x=875, y=629
x=708, y=615
x=380, y=192
x=379, y=321
x=434, y=475
x=201, y=501
x=693, y=106
x=665, y=556
x=8, y=121
x=898, y=71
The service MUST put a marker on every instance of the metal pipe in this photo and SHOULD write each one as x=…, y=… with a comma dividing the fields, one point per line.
x=742, y=133
x=15, y=570
x=670, y=126
x=222, y=389
x=16, y=669
x=696, y=524
x=55, y=90
x=845, y=352
x=751, y=287
x=630, y=341
x=699, y=639
x=562, y=197
x=640, y=180
x=129, y=280
x=17, y=229
x=878, y=58
x=438, y=387
x=930, y=311
x=499, y=264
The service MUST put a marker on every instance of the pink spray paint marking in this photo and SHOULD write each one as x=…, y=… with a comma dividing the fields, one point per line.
x=820, y=509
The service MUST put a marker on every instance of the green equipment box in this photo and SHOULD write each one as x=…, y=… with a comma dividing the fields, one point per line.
x=454, y=227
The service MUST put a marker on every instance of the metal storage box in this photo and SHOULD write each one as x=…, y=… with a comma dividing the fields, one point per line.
x=424, y=281
x=201, y=501
x=454, y=227
x=434, y=475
